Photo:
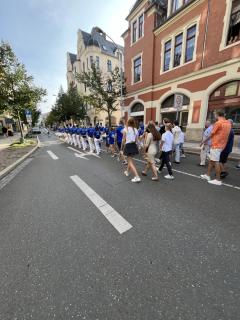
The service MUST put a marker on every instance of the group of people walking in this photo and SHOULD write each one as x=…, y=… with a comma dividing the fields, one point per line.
x=127, y=141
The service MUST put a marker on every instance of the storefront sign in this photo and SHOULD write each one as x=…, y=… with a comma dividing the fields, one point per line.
x=178, y=101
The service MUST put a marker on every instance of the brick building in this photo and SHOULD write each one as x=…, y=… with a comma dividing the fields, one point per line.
x=189, y=48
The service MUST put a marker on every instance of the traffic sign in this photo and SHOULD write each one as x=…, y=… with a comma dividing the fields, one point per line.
x=178, y=101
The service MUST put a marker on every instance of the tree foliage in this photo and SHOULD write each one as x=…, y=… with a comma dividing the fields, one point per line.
x=17, y=90
x=104, y=89
x=69, y=105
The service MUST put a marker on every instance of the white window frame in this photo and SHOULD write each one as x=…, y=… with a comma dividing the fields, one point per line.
x=183, y=30
x=136, y=19
x=226, y=21
x=140, y=55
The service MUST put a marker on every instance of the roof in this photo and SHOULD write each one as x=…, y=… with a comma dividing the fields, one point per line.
x=98, y=39
x=73, y=57
x=162, y=3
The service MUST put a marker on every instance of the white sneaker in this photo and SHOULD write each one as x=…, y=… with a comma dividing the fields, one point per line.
x=183, y=156
x=112, y=156
x=169, y=177
x=205, y=177
x=136, y=179
x=126, y=173
x=215, y=182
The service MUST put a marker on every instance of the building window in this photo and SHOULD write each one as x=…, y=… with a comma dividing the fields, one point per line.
x=83, y=67
x=190, y=43
x=140, y=26
x=175, y=5
x=134, y=31
x=234, y=23
x=137, y=69
x=91, y=61
x=87, y=64
x=167, y=55
x=178, y=50
x=98, y=62
x=109, y=66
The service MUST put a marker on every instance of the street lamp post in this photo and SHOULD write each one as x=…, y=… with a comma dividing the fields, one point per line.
x=120, y=60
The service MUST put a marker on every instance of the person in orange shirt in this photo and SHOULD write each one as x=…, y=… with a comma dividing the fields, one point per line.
x=219, y=137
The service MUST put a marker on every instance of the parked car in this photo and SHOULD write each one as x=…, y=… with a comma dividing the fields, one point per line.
x=36, y=130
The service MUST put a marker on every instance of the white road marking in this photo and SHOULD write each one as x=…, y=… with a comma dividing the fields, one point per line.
x=83, y=153
x=80, y=156
x=8, y=178
x=194, y=176
x=52, y=155
x=116, y=220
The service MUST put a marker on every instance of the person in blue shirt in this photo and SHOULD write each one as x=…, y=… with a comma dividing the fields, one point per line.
x=118, y=139
x=112, y=142
x=83, y=138
x=90, y=134
x=141, y=134
x=78, y=137
x=97, y=139
x=106, y=131
x=226, y=151
x=74, y=137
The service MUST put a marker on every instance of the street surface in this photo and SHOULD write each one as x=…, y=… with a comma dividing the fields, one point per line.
x=80, y=241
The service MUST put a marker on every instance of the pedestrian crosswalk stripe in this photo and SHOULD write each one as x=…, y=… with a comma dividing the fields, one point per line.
x=52, y=155
x=116, y=220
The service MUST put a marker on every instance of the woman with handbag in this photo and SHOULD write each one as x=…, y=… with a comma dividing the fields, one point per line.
x=130, y=138
x=151, y=148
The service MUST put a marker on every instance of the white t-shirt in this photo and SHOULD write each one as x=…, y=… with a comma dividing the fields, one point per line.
x=176, y=133
x=131, y=134
x=167, y=138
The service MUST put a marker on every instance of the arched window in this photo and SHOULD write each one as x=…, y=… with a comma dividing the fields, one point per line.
x=137, y=107
x=169, y=102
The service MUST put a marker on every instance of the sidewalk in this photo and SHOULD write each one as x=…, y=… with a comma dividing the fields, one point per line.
x=193, y=147
x=6, y=141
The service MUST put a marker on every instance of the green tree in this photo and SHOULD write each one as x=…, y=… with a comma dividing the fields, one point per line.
x=104, y=90
x=69, y=105
x=18, y=91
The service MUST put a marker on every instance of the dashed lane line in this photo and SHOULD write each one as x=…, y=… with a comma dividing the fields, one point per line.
x=52, y=155
x=116, y=220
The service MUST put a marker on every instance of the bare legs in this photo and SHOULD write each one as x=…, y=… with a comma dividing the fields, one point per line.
x=131, y=167
x=217, y=169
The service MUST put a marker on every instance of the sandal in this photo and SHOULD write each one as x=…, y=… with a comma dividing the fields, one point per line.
x=144, y=173
x=155, y=178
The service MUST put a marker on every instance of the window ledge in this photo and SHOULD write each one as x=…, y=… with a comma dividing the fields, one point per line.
x=229, y=46
x=133, y=43
x=175, y=68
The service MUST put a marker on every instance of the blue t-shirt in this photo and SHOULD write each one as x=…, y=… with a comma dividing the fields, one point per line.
x=141, y=131
x=84, y=132
x=119, y=134
x=97, y=134
x=111, y=137
x=106, y=130
x=229, y=146
x=90, y=132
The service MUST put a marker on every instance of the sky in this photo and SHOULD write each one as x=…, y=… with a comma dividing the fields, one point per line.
x=41, y=32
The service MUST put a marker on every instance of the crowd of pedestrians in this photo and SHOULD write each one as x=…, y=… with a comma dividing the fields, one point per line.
x=156, y=144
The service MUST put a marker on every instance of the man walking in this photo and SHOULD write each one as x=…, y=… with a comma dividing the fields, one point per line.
x=206, y=143
x=219, y=136
x=177, y=140
x=225, y=153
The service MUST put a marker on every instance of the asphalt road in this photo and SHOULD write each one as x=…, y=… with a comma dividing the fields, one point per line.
x=62, y=258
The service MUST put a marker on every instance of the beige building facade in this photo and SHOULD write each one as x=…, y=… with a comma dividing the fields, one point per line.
x=94, y=48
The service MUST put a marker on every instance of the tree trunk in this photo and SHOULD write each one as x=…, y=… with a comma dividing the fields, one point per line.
x=109, y=119
x=20, y=127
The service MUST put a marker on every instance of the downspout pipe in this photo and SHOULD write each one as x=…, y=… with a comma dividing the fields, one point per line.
x=205, y=34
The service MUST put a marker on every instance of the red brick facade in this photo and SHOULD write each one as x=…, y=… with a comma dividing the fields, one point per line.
x=210, y=67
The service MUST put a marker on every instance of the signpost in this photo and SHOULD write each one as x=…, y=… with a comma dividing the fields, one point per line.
x=28, y=114
x=178, y=103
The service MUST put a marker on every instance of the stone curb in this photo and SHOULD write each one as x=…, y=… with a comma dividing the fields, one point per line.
x=5, y=171
x=233, y=157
